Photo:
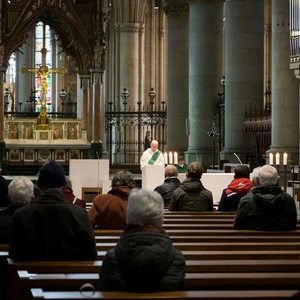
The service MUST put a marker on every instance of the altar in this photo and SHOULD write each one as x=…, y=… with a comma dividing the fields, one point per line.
x=62, y=141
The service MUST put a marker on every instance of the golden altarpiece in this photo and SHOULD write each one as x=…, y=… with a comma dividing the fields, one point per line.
x=60, y=133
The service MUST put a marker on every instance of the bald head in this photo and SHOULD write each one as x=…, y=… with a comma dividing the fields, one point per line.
x=170, y=171
x=268, y=175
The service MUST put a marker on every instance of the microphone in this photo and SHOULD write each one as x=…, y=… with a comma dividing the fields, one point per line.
x=237, y=158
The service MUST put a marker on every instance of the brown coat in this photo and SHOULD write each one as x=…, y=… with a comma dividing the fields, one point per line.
x=109, y=210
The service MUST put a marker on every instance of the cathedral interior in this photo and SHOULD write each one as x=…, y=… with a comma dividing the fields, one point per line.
x=215, y=81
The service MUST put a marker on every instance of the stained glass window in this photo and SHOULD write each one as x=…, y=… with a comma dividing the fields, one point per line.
x=40, y=42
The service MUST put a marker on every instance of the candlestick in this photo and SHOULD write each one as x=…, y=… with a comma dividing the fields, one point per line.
x=175, y=158
x=166, y=157
x=271, y=158
x=277, y=159
x=170, y=158
x=285, y=156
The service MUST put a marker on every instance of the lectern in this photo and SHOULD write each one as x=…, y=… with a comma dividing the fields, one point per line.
x=152, y=176
x=89, y=174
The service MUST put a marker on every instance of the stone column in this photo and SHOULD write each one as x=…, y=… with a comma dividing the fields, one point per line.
x=2, y=142
x=205, y=73
x=129, y=60
x=177, y=74
x=96, y=144
x=244, y=52
x=285, y=105
x=84, y=85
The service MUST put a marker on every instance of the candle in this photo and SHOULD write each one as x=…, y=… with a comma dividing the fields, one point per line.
x=170, y=158
x=285, y=156
x=277, y=159
x=271, y=159
x=166, y=157
x=175, y=158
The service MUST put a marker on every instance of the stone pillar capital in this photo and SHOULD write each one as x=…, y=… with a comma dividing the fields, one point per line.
x=97, y=75
x=84, y=81
x=128, y=27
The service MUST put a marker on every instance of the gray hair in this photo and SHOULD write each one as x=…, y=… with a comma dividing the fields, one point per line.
x=145, y=207
x=123, y=178
x=20, y=190
x=268, y=175
x=254, y=176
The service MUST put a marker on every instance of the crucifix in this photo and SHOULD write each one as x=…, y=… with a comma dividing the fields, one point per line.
x=43, y=71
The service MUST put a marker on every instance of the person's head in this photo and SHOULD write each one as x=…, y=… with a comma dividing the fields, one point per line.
x=268, y=176
x=254, y=176
x=194, y=170
x=181, y=160
x=51, y=175
x=171, y=171
x=123, y=178
x=20, y=190
x=145, y=207
x=241, y=171
x=154, y=145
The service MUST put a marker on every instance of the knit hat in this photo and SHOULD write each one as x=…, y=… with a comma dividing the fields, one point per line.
x=51, y=175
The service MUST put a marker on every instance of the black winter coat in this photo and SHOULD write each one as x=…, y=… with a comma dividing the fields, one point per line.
x=51, y=228
x=141, y=262
x=166, y=189
x=192, y=195
x=266, y=208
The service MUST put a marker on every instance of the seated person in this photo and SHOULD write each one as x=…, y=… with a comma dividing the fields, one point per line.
x=238, y=187
x=182, y=166
x=68, y=192
x=51, y=228
x=170, y=183
x=108, y=211
x=20, y=192
x=191, y=194
x=144, y=260
x=267, y=206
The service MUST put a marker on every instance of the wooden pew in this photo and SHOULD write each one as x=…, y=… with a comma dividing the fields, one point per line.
x=198, y=221
x=39, y=294
x=221, y=246
x=202, y=226
x=219, y=238
x=192, y=266
x=206, y=232
x=194, y=281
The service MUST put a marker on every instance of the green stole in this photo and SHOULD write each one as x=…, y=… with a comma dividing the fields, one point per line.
x=154, y=157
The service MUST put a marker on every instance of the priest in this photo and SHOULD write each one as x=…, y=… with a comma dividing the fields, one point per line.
x=152, y=156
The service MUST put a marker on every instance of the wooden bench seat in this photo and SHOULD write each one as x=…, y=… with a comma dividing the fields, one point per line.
x=194, y=281
x=206, y=232
x=202, y=226
x=219, y=238
x=184, y=246
x=192, y=266
x=198, y=221
x=39, y=294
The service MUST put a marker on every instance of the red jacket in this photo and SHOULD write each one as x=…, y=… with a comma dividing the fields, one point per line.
x=109, y=210
x=72, y=198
